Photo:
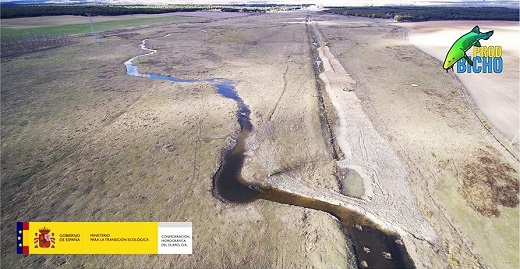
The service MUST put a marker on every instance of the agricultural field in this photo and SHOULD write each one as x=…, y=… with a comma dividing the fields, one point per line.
x=13, y=29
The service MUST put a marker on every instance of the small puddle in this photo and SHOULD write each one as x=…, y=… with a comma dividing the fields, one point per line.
x=351, y=183
x=230, y=186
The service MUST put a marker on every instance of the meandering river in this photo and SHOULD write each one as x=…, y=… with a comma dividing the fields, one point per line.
x=371, y=245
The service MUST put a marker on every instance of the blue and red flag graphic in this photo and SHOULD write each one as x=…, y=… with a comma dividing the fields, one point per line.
x=21, y=229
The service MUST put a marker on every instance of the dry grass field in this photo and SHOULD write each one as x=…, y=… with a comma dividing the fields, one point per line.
x=83, y=141
x=474, y=210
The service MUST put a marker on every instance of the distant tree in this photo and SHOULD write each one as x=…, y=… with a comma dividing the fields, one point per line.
x=416, y=13
x=31, y=10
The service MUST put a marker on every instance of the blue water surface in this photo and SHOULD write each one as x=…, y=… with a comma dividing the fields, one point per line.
x=224, y=87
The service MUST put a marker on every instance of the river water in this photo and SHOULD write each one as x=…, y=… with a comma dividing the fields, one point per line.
x=370, y=243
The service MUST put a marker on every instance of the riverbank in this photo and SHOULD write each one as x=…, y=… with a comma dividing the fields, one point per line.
x=387, y=198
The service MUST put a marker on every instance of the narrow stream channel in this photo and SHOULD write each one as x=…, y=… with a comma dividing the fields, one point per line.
x=370, y=243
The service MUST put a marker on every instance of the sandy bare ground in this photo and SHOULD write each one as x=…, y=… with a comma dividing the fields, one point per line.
x=387, y=196
x=497, y=95
x=455, y=167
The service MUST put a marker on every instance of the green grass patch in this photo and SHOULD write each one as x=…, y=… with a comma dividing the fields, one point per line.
x=9, y=34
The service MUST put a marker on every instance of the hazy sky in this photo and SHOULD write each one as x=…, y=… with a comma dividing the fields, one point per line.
x=318, y=2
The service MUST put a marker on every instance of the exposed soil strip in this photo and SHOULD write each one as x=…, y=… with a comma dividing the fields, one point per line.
x=387, y=198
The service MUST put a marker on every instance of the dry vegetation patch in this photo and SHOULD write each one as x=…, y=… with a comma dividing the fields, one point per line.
x=488, y=183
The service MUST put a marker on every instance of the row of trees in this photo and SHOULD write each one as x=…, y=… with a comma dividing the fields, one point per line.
x=423, y=13
x=17, y=11
x=33, y=42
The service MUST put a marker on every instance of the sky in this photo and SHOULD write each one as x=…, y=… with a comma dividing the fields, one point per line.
x=317, y=2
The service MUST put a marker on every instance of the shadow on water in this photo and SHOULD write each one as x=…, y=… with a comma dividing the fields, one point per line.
x=371, y=245
x=370, y=242
x=229, y=186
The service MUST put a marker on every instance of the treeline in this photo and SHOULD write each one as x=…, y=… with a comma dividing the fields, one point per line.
x=30, y=42
x=414, y=14
x=18, y=11
x=258, y=7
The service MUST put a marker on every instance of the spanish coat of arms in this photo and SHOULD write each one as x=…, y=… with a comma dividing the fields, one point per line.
x=44, y=239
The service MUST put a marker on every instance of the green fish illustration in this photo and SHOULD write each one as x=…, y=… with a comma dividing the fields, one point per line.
x=463, y=44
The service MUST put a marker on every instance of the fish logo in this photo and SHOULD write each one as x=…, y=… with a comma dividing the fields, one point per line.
x=463, y=44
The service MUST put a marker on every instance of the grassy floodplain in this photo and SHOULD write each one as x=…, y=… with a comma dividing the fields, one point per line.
x=83, y=141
